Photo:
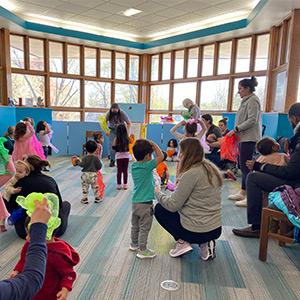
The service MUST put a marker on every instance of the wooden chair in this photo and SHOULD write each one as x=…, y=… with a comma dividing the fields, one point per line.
x=284, y=226
x=89, y=135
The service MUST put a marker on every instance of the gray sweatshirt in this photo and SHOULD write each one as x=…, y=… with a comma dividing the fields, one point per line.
x=196, y=200
x=248, y=119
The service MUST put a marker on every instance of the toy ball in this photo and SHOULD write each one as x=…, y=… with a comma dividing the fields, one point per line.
x=74, y=160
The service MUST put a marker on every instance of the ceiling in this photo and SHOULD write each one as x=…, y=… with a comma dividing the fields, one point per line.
x=158, y=18
x=161, y=26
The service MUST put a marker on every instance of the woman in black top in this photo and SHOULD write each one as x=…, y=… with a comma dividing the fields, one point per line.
x=38, y=182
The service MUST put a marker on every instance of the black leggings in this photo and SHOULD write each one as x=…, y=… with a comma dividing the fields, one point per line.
x=64, y=213
x=170, y=221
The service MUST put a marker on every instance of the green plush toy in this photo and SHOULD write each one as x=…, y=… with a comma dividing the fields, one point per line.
x=186, y=115
x=53, y=202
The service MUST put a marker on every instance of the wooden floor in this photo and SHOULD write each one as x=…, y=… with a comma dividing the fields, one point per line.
x=101, y=234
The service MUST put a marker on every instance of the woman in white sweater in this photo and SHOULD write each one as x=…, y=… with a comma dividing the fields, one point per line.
x=192, y=213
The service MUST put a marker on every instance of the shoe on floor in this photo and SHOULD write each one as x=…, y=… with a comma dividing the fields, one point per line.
x=236, y=197
x=133, y=247
x=241, y=203
x=84, y=201
x=181, y=248
x=230, y=175
x=98, y=200
x=112, y=163
x=208, y=250
x=119, y=186
x=247, y=232
x=147, y=253
x=125, y=186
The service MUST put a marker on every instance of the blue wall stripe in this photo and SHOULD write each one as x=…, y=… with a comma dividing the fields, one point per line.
x=127, y=43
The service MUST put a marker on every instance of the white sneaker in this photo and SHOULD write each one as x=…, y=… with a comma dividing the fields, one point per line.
x=147, y=253
x=133, y=247
x=208, y=250
x=181, y=248
x=241, y=203
x=236, y=197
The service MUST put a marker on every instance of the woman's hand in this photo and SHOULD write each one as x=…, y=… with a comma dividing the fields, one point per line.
x=250, y=164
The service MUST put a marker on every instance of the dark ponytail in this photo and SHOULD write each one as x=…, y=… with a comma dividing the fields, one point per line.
x=249, y=83
x=37, y=163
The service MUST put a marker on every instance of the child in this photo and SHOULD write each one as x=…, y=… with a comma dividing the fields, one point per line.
x=143, y=195
x=90, y=164
x=268, y=148
x=162, y=171
x=193, y=109
x=26, y=142
x=9, y=136
x=60, y=275
x=172, y=148
x=98, y=138
x=121, y=146
x=45, y=134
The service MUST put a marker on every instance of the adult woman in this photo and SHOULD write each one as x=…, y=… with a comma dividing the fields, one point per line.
x=114, y=117
x=38, y=182
x=192, y=214
x=248, y=128
x=223, y=126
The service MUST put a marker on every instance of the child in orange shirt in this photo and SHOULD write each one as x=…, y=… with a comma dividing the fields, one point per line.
x=163, y=171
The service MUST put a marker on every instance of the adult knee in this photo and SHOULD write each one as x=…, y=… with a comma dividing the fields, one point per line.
x=158, y=211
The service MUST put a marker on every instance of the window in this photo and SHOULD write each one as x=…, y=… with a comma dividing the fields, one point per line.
x=182, y=91
x=105, y=64
x=65, y=116
x=134, y=67
x=262, y=48
x=28, y=87
x=73, y=59
x=208, y=60
x=159, y=97
x=90, y=55
x=64, y=92
x=193, y=62
x=260, y=92
x=243, y=55
x=154, y=118
x=36, y=54
x=126, y=93
x=166, y=66
x=120, y=65
x=154, y=67
x=179, y=62
x=298, y=97
x=56, y=57
x=97, y=94
x=17, y=51
x=224, y=58
x=214, y=95
x=92, y=116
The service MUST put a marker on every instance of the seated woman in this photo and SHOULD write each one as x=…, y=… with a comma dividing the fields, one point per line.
x=192, y=214
x=38, y=182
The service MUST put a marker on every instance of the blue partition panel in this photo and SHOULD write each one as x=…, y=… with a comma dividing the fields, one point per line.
x=7, y=118
x=284, y=126
x=167, y=135
x=37, y=114
x=154, y=133
x=60, y=137
x=76, y=135
x=135, y=112
x=231, y=119
x=270, y=120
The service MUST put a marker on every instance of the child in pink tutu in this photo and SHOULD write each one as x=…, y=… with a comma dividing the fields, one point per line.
x=26, y=143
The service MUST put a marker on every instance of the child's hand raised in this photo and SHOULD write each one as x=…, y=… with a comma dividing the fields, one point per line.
x=62, y=294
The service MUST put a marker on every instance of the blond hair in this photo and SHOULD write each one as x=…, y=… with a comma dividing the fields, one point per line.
x=192, y=156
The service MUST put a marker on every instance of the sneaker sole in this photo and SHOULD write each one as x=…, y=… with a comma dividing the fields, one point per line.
x=143, y=257
x=133, y=249
x=181, y=252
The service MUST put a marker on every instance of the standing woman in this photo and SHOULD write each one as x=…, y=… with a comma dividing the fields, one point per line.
x=114, y=117
x=248, y=129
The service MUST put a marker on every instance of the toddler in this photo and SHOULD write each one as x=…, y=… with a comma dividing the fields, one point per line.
x=121, y=146
x=45, y=134
x=90, y=164
x=143, y=195
x=268, y=148
x=60, y=274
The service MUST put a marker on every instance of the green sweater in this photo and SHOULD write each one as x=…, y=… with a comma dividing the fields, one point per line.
x=196, y=200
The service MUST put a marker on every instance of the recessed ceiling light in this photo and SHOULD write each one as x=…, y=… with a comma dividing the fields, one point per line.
x=130, y=12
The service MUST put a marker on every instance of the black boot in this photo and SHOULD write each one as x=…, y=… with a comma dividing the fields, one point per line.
x=112, y=163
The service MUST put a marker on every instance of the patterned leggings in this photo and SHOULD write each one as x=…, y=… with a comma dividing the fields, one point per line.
x=89, y=179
